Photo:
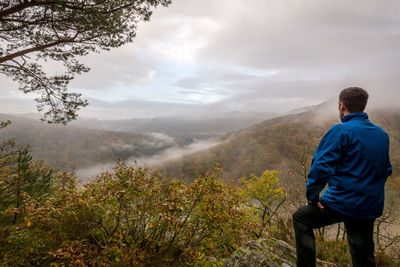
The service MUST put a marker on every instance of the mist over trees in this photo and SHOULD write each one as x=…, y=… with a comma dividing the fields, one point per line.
x=35, y=31
x=93, y=142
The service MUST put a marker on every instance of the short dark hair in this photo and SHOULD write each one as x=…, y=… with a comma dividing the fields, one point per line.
x=354, y=98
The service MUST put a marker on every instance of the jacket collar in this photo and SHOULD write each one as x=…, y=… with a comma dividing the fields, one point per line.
x=360, y=115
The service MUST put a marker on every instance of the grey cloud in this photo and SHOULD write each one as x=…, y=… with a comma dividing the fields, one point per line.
x=257, y=54
x=315, y=47
x=191, y=82
x=124, y=66
x=194, y=91
x=306, y=89
x=16, y=103
x=313, y=34
x=137, y=109
x=207, y=77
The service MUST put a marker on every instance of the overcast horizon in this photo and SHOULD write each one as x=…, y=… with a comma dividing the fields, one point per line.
x=208, y=57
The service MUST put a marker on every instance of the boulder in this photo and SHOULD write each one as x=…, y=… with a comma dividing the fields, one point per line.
x=267, y=253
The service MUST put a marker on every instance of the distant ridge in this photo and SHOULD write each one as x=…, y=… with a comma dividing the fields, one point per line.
x=277, y=143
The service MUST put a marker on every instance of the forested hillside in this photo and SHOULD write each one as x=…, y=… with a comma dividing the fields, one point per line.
x=70, y=146
x=286, y=144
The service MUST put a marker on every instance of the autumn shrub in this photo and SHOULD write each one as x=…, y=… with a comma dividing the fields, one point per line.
x=284, y=229
x=384, y=259
x=264, y=196
x=337, y=251
x=62, y=218
x=169, y=220
x=333, y=250
x=128, y=216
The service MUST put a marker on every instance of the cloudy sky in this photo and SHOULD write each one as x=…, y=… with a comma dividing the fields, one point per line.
x=213, y=56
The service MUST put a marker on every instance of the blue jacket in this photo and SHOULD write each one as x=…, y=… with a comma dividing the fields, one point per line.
x=353, y=158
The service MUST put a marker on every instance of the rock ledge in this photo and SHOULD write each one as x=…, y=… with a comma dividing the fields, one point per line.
x=267, y=253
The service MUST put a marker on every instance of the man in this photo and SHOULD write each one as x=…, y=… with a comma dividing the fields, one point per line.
x=353, y=159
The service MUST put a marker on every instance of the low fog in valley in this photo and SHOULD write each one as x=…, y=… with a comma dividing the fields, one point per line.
x=173, y=152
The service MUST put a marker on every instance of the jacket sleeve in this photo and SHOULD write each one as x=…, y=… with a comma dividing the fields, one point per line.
x=388, y=164
x=324, y=162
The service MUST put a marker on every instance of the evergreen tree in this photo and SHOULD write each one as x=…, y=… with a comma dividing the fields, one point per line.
x=34, y=31
x=21, y=180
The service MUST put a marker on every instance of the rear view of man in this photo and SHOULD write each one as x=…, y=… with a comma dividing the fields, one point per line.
x=353, y=159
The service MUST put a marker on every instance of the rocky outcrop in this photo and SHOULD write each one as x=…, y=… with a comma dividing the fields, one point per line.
x=267, y=253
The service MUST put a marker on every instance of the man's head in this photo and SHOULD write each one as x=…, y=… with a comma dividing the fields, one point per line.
x=352, y=99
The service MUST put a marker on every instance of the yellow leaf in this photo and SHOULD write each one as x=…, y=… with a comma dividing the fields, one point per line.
x=28, y=223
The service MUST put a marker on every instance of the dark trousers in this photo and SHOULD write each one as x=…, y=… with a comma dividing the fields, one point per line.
x=359, y=235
